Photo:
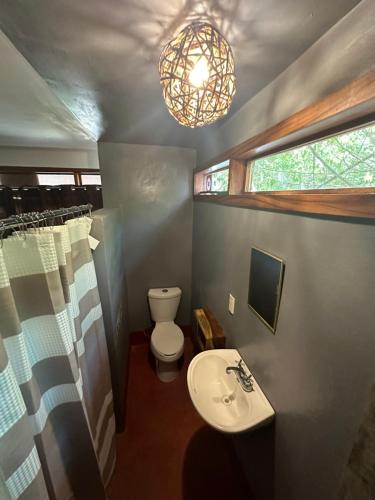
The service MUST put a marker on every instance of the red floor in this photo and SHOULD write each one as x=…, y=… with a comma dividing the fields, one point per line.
x=167, y=452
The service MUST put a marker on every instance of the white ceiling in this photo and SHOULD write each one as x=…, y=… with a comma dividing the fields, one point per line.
x=100, y=58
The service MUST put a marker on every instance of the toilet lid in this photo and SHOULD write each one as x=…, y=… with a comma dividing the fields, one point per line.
x=167, y=338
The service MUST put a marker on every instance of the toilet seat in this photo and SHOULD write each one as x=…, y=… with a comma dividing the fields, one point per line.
x=167, y=341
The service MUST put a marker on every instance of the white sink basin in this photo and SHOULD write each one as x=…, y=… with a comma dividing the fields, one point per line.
x=218, y=396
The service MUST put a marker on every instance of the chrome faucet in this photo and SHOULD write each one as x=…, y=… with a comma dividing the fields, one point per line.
x=244, y=380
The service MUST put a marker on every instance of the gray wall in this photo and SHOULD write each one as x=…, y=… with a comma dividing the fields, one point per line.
x=109, y=258
x=358, y=480
x=152, y=185
x=318, y=369
x=338, y=57
x=36, y=157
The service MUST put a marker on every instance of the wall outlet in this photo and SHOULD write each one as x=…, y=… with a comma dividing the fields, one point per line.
x=232, y=303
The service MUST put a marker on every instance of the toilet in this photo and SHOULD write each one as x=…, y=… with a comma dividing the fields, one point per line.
x=167, y=339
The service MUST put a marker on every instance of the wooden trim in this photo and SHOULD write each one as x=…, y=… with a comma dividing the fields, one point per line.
x=23, y=174
x=343, y=202
x=362, y=190
x=353, y=104
x=46, y=170
x=311, y=134
x=198, y=180
x=237, y=176
x=77, y=178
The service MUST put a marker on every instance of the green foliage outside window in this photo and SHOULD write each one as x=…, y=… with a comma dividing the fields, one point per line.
x=342, y=161
x=220, y=180
x=217, y=181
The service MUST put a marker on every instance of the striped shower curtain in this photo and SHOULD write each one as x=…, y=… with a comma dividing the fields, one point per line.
x=56, y=415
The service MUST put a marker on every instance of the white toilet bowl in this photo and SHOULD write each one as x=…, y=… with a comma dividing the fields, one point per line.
x=167, y=345
x=167, y=339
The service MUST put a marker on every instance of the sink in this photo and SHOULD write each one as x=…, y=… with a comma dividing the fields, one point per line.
x=218, y=396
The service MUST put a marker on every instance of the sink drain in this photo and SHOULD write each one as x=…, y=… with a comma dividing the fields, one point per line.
x=227, y=400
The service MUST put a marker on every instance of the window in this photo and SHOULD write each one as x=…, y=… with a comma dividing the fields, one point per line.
x=213, y=180
x=217, y=181
x=342, y=161
x=55, y=179
x=333, y=176
x=91, y=179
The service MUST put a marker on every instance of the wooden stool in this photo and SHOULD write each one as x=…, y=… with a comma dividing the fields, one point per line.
x=207, y=333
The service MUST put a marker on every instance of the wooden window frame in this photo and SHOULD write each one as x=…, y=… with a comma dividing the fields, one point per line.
x=348, y=108
x=77, y=172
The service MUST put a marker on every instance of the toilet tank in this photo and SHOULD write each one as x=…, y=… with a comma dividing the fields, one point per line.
x=164, y=303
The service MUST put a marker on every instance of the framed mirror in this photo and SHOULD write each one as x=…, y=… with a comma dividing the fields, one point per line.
x=265, y=286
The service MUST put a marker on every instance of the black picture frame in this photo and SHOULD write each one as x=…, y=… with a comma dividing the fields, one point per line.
x=266, y=279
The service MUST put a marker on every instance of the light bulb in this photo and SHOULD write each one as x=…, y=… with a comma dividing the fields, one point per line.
x=200, y=73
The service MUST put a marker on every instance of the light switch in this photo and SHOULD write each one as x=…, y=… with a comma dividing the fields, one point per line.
x=232, y=303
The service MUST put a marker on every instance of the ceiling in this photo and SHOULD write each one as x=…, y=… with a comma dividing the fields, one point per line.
x=30, y=112
x=101, y=57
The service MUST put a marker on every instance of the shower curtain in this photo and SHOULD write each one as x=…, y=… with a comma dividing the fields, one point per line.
x=57, y=423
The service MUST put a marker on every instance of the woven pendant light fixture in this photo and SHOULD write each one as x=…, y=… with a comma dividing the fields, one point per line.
x=197, y=75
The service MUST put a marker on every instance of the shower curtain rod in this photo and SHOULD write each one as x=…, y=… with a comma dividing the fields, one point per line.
x=20, y=220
